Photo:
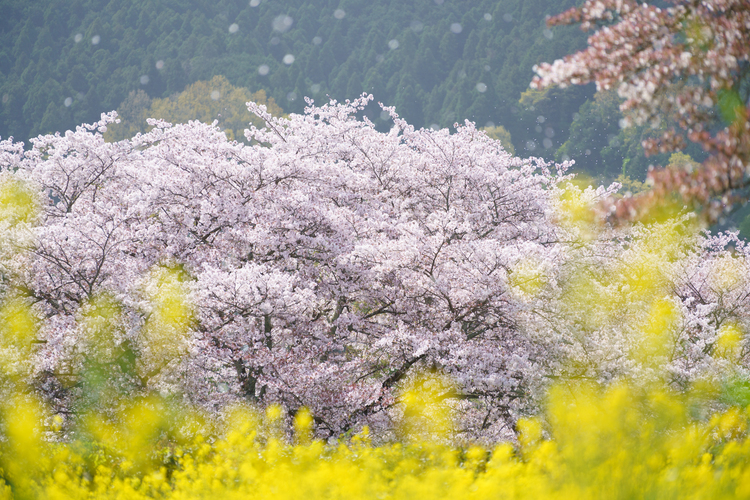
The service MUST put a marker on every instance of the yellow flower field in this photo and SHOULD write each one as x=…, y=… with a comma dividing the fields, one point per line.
x=620, y=443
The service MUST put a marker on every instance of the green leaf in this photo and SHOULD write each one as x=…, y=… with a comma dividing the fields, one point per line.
x=736, y=392
x=729, y=104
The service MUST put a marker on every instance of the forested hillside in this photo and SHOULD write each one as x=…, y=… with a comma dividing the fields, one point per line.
x=64, y=62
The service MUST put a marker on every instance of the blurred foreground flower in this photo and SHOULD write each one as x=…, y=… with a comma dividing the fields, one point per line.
x=620, y=442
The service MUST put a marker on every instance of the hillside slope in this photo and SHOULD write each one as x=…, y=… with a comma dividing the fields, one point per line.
x=63, y=62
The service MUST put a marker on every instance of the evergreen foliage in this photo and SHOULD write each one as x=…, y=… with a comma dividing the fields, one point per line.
x=63, y=63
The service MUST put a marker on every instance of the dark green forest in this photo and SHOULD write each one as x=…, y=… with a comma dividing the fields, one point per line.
x=64, y=62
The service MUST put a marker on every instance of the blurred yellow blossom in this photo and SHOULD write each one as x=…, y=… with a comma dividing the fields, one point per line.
x=590, y=443
x=729, y=339
x=165, y=336
x=426, y=411
x=18, y=203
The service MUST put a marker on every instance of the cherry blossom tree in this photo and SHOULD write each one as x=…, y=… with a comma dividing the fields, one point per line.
x=326, y=263
x=689, y=61
x=319, y=267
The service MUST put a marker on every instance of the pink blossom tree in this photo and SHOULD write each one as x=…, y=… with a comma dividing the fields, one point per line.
x=327, y=263
x=689, y=61
x=324, y=264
